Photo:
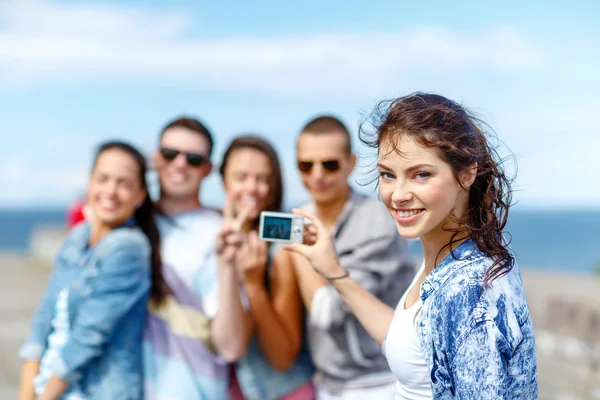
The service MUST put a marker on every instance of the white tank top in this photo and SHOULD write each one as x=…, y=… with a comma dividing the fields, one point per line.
x=403, y=352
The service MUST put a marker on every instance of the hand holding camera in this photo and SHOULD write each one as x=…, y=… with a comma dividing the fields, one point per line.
x=319, y=248
x=281, y=227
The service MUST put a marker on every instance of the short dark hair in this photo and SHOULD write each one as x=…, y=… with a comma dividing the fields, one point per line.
x=325, y=124
x=192, y=124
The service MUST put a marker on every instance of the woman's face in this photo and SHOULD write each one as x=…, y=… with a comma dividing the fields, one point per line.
x=114, y=189
x=419, y=189
x=247, y=180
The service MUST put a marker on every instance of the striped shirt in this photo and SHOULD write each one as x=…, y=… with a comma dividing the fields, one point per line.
x=178, y=363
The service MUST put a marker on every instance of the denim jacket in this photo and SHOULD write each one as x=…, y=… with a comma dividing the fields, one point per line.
x=109, y=286
x=260, y=381
x=478, y=343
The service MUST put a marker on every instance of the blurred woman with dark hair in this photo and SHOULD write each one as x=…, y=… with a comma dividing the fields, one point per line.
x=276, y=365
x=85, y=341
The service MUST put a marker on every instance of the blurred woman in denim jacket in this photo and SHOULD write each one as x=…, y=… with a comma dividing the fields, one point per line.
x=85, y=341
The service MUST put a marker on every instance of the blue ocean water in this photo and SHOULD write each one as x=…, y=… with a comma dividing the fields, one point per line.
x=553, y=240
x=17, y=225
x=559, y=241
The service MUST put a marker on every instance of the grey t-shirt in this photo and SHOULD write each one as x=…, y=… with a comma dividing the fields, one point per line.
x=378, y=259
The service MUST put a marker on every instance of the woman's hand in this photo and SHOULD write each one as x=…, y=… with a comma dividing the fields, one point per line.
x=231, y=237
x=29, y=370
x=252, y=259
x=320, y=249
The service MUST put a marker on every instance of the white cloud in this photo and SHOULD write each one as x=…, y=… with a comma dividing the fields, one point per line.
x=67, y=42
x=48, y=171
x=25, y=185
x=546, y=121
x=36, y=18
x=561, y=173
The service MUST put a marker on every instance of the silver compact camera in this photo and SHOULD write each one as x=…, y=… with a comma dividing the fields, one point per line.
x=281, y=227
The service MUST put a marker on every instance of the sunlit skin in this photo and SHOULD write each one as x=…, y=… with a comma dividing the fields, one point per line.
x=421, y=193
x=419, y=190
x=247, y=180
x=114, y=190
x=326, y=187
x=179, y=181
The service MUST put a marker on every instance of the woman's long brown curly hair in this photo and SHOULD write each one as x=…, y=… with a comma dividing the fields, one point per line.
x=437, y=122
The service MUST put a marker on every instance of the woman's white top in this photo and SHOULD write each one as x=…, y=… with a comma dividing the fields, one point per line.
x=404, y=354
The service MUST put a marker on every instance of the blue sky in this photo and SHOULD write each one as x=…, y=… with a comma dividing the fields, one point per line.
x=75, y=73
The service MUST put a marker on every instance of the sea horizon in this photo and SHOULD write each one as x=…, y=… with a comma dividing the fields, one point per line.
x=560, y=240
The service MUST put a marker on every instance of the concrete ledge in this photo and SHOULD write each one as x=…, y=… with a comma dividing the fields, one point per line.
x=567, y=305
x=45, y=241
x=22, y=283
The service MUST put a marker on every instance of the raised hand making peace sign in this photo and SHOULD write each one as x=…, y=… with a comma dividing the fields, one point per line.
x=231, y=237
x=252, y=259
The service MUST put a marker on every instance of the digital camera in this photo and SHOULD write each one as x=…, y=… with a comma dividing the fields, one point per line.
x=281, y=227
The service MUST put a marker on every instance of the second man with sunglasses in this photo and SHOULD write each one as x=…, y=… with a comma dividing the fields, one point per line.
x=350, y=363
x=189, y=340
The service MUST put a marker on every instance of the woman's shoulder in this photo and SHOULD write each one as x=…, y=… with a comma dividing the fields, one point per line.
x=468, y=270
x=129, y=238
x=129, y=242
x=78, y=233
x=465, y=300
x=466, y=280
x=456, y=284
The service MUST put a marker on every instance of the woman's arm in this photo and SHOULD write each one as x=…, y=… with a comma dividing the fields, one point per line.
x=278, y=317
x=54, y=389
x=29, y=370
x=231, y=319
x=35, y=345
x=480, y=367
x=374, y=315
x=231, y=328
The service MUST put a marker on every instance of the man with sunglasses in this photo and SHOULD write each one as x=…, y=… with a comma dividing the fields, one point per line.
x=189, y=340
x=350, y=363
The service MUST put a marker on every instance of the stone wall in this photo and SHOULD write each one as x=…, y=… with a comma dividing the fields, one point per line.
x=566, y=313
x=45, y=241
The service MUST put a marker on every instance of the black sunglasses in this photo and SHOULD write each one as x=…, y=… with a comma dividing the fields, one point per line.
x=193, y=159
x=328, y=165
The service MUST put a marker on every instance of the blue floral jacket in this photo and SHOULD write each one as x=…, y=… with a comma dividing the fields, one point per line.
x=477, y=344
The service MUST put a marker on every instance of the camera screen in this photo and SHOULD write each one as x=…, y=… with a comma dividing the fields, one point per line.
x=277, y=228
